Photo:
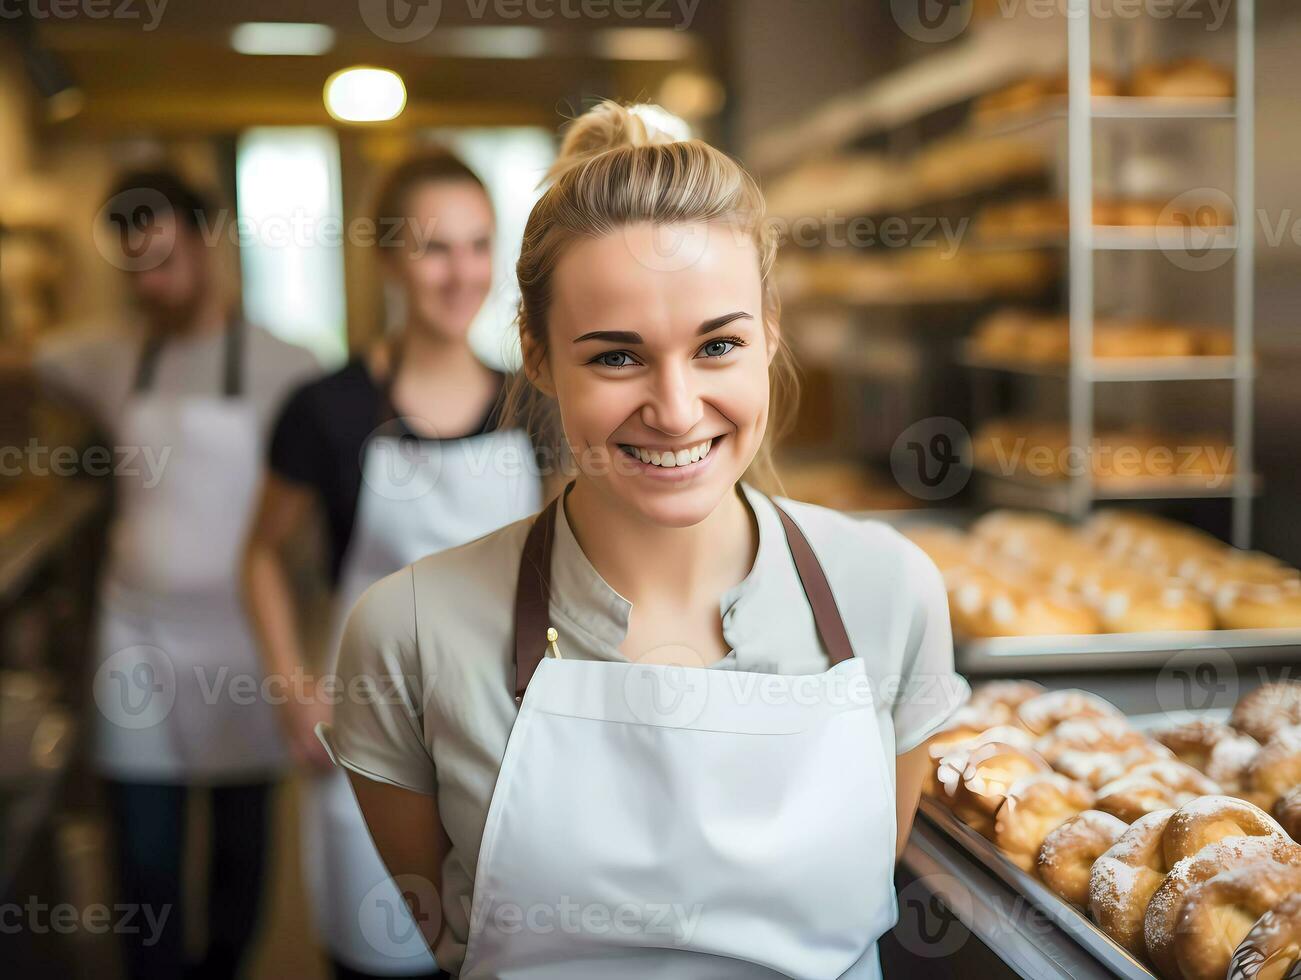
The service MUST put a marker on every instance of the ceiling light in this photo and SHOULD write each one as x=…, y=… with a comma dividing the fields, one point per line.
x=281, y=39
x=365, y=95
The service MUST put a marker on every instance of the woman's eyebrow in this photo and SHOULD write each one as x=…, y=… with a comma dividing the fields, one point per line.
x=632, y=337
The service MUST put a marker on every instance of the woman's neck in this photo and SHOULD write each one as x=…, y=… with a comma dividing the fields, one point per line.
x=652, y=564
x=427, y=355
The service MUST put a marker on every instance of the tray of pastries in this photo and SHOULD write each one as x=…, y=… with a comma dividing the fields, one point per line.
x=1169, y=852
x=1025, y=338
x=1022, y=584
x=1180, y=79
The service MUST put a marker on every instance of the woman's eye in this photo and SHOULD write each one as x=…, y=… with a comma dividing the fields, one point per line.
x=717, y=348
x=614, y=359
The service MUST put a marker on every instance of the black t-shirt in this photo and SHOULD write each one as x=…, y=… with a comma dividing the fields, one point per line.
x=321, y=434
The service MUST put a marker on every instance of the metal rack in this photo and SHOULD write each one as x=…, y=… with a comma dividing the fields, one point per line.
x=1085, y=240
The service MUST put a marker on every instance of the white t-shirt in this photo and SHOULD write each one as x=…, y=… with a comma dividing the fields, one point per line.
x=427, y=662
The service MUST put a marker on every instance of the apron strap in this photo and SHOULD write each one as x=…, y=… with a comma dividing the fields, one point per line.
x=533, y=594
x=232, y=370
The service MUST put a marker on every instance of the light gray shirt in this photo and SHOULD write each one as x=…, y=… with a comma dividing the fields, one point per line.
x=96, y=369
x=425, y=696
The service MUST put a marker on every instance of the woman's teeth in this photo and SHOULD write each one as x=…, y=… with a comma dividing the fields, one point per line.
x=683, y=457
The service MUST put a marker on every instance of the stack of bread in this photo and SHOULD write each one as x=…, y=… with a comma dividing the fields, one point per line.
x=1181, y=845
x=1050, y=217
x=919, y=275
x=1022, y=574
x=1026, y=337
x=1181, y=78
x=1118, y=458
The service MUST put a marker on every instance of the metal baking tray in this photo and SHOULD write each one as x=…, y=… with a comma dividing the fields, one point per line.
x=1105, y=651
x=1064, y=915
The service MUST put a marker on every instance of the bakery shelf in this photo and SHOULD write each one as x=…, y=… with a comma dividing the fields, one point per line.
x=1114, y=651
x=1130, y=107
x=985, y=58
x=1100, y=947
x=1137, y=238
x=991, y=910
x=1108, y=107
x=50, y=523
x=1192, y=368
x=1121, y=238
x=1053, y=493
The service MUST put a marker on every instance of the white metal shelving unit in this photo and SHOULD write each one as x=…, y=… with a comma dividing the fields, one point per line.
x=1085, y=240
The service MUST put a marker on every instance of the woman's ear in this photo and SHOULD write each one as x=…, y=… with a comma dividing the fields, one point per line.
x=536, y=366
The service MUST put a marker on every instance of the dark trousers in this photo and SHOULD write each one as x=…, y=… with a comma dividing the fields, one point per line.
x=148, y=824
x=341, y=971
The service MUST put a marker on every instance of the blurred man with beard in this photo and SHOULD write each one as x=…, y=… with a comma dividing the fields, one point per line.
x=185, y=396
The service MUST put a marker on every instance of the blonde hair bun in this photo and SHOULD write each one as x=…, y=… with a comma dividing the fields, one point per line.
x=610, y=125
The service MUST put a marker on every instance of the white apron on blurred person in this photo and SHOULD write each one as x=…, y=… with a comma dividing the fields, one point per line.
x=659, y=821
x=417, y=497
x=179, y=684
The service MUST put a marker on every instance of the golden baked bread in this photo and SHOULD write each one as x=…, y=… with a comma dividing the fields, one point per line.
x=1264, y=855
x=1045, y=712
x=1033, y=807
x=1100, y=768
x=1229, y=762
x=1124, y=879
x=1193, y=741
x=1088, y=735
x=1069, y=851
x=1183, y=78
x=1151, y=787
x=1271, y=949
x=1259, y=606
x=1275, y=770
x=1010, y=693
x=1218, y=914
x=1267, y=710
x=1287, y=811
x=990, y=771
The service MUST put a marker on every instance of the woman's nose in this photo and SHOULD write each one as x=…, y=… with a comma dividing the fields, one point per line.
x=673, y=405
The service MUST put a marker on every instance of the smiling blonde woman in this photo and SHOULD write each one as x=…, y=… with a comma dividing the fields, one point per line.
x=669, y=726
